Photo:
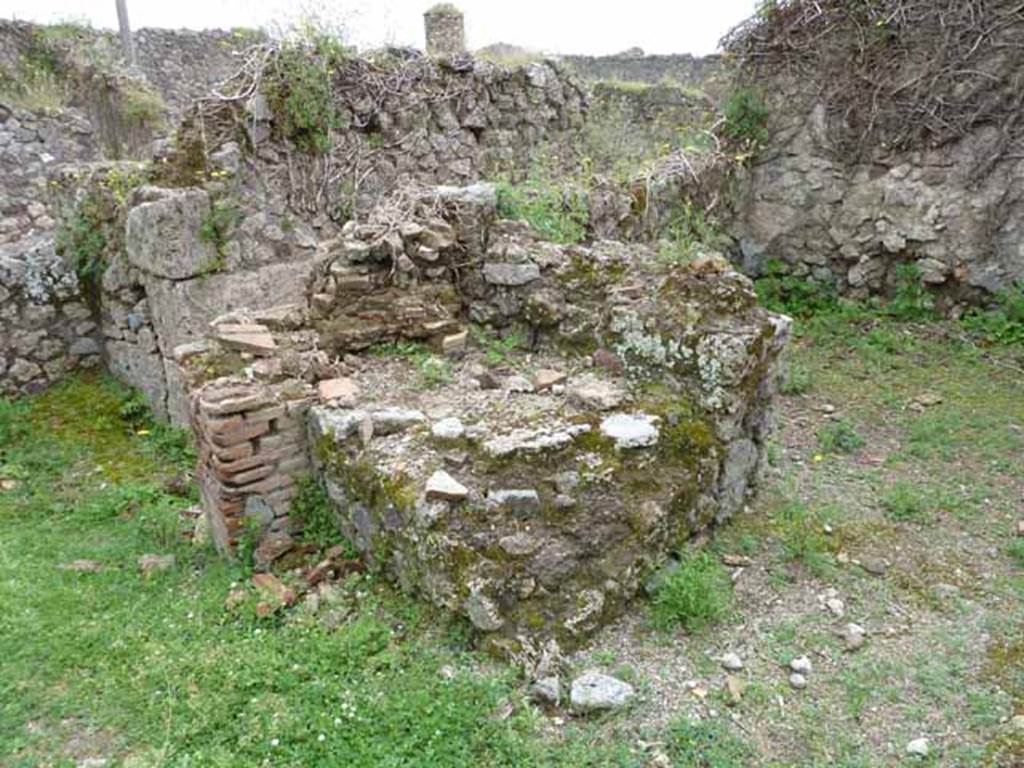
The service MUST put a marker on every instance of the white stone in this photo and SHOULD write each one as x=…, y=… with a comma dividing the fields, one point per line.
x=443, y=486
x=801, y=665
x=732, y=662
x=798, y=681
x=448, y=429
x=631, y=430
x=918, y=747
x=594, y=691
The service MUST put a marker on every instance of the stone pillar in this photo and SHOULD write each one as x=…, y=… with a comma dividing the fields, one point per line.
x=445, y=30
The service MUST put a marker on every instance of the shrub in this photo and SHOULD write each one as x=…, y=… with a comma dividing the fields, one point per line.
x=746, y=117
x=911, y=299
x=313, y=509
x=694, y=595
x=839, y=437
x=142, y=106
x=298, y=89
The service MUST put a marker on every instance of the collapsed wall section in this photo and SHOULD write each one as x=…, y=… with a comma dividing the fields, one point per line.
x=533, y=496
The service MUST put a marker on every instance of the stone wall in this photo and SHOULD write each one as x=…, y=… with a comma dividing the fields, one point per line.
x=181, y=64
x=855, y=225
x=47, y=327
x=248, y=235
x=703, y=73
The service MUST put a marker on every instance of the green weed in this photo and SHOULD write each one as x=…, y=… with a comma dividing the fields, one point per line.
x=905, y=502
x=498, y=349
x=746, y=117
x=801, y=531
x=694, y=595
x=706, y=744
x=1003, y=322
x=780, y=291
x=839, y=437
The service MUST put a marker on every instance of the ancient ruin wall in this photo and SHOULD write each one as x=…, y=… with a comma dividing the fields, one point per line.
x=47, y=326
x=702, y=73
x=923, y=174
x=245, y=233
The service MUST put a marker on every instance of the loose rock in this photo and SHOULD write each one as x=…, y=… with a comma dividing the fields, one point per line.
x=797, y=681
x=918, y=747
x=595, y=691
x=801, y=665
x=732, y=662
x=444, y=487
x=448, y=429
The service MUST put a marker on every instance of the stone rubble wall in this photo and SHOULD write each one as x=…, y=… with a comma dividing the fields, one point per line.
x=165, y=281
x=47, y=328
x=854, y=226
x=702, y=73
x=534, y=504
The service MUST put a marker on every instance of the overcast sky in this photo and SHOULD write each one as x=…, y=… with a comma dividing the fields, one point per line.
x=557, y=26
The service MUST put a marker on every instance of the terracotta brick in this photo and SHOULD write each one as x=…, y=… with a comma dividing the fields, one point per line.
x=249, y=476
x=241, y=435
x=244, y=400
x=233, y=453
x=234, y=467
x=265, y=414
x=216, y=426
x=272, y=483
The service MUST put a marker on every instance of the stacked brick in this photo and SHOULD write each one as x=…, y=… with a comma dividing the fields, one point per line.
x=252, y=449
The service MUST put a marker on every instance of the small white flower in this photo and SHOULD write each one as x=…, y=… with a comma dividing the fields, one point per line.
x=321, y=737
x=337, y=721
x=274, y=742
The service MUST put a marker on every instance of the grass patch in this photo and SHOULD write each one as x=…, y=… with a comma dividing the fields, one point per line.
x=693, y=596
x=839, y=437
x=904, y=502
x=707, y=744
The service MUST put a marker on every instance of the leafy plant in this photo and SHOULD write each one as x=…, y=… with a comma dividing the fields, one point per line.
x=694, y=595
x=780, y=291
x=142, y=106
x=1002, y=323
x=910, y=300
x=839, y=437
x=313, y=509
x=497, y=348
x=688, y=233
x=299, y=89
x=216, y=228
x=746, y=117
x=432, y=370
